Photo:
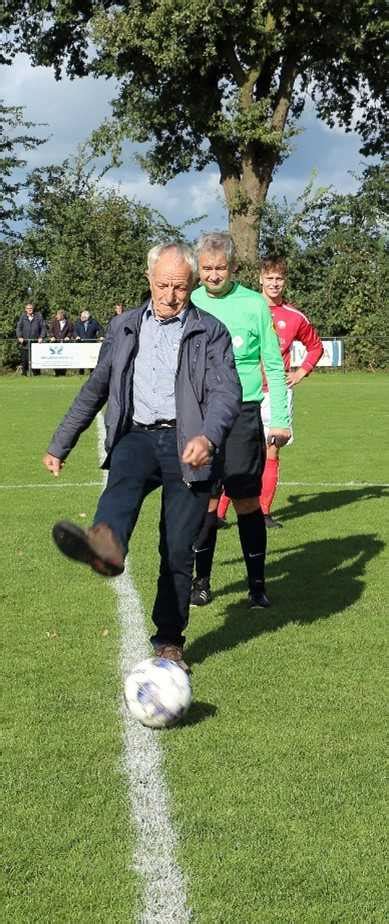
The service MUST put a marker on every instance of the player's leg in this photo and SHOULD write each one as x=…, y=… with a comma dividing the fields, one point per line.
x=182, y=513
x=244, y=463
x=133, y=473
x=204, y=547
x=222, y=508
x=269, y=485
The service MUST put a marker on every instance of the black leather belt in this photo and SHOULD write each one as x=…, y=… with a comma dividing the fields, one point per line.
x=158, y=425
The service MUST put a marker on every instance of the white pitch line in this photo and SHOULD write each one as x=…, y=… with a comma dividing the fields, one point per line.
x=57, y=483
x=164, y=886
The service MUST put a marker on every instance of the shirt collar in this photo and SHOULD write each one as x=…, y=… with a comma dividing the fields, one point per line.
x=182, y=316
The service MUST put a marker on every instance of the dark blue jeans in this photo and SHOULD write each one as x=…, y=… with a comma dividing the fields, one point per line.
x=142, y=461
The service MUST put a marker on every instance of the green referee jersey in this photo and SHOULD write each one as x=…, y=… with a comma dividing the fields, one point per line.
x=247, y=317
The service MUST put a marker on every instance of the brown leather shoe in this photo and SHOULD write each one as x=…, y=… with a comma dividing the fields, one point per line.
x=96, y=546
x=172, y=653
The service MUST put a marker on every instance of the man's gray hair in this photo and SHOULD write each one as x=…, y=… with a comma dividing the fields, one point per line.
x=217, y=240
x=183, y=250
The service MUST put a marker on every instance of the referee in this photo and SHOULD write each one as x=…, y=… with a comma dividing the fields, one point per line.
x=246, y=315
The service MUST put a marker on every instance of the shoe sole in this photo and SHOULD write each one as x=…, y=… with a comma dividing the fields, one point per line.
x=73, y=542
x=199, y=605
x=181, y=664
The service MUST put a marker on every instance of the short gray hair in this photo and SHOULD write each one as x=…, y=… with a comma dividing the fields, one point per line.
x=217, y=240
x=182, y=250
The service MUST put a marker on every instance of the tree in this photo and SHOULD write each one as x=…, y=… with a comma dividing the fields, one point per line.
x=337, y=248
x=13, y=136
x=86, y=244
x=222, y=82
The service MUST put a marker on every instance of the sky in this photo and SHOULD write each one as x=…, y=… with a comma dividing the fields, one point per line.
x=72, y=109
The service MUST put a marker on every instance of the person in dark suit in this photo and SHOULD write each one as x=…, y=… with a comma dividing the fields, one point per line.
x=87, y=328
x=30, y=326
x=61, y=330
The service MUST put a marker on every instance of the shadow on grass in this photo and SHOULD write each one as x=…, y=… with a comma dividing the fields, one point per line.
x=299, y=505
x=314, y=580
x=198, y=712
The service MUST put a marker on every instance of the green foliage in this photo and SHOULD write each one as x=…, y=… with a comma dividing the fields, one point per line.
x=16, y=281
x=13, y=139
x=337, y=250
x=87, y=244
x=221, y=82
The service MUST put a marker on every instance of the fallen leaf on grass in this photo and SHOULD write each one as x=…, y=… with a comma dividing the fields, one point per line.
x=52, y=634
x=104, y=632
x=82, y=514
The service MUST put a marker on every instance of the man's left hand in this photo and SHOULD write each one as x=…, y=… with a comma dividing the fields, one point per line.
x=197, y=452
x=278, y=437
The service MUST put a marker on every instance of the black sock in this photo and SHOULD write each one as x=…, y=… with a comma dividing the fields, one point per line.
x=205, y=546
x=252, y=532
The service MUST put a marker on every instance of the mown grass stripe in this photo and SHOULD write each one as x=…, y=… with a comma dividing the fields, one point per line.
x=51, y=484
x=154, y=855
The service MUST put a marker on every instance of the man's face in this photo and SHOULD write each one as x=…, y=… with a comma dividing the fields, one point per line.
x=273, y=283
x=215, y=272
x=119, y=309
x=84, y=316
x=171, y=282
x=60, y=315
x=30, y=310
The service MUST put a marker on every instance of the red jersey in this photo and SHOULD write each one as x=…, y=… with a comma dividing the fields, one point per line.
x=291, y=324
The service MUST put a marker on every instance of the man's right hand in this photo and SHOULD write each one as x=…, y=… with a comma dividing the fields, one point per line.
x=21, y=339
x=53, y=464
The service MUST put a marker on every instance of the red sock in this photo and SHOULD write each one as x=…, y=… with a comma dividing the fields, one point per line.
x=269, y=484
x=223, y=506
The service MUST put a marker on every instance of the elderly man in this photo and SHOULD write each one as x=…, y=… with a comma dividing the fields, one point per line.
x=30, y=326
x=168, y=374
x=247, y=317
x=87, y=328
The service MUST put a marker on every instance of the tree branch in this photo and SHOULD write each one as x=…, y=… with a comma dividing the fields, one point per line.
x=284, y=94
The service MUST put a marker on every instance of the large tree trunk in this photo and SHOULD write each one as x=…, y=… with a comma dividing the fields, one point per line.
x=245, y=198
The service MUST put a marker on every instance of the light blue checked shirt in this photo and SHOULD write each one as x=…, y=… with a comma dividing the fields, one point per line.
x=155, y=367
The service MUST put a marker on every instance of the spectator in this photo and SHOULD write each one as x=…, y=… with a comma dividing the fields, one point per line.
x=87, y=328
x=119, y=309
x=30, y=326
x=60, y=330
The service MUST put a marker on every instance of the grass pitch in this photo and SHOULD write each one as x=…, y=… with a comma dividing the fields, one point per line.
x=276, y=778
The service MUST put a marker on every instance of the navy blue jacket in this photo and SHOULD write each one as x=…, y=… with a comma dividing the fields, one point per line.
x=94, y=330
x=208, y=391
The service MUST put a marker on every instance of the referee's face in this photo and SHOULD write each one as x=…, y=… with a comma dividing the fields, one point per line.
x=215, y=272
x=171, y=283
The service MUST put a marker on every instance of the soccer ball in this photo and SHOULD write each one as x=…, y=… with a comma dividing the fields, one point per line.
x=157, y=692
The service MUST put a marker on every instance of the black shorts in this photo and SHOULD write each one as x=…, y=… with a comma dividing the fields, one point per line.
x=243, y=456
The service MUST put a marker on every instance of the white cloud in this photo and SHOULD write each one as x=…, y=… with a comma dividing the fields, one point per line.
x=206, y=192
x=140, y=188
